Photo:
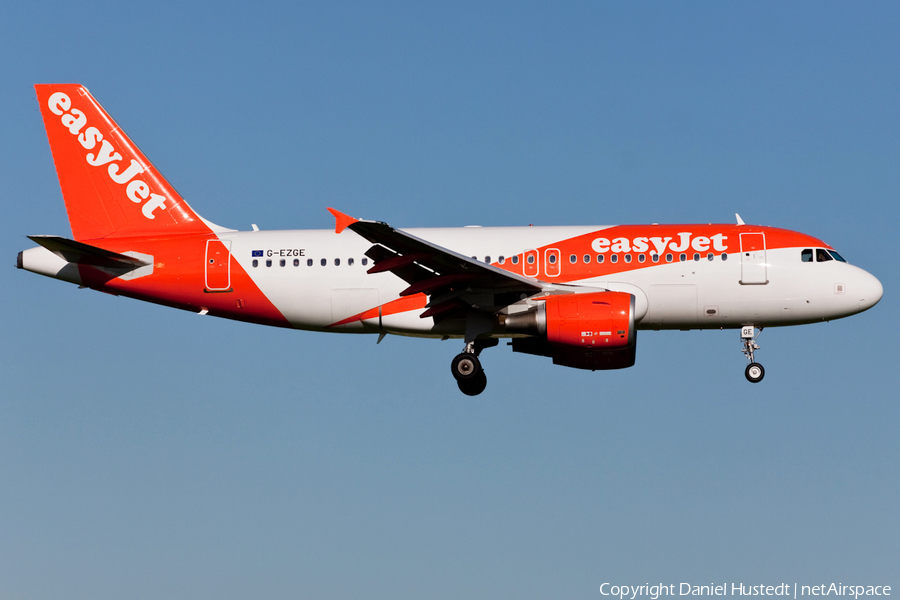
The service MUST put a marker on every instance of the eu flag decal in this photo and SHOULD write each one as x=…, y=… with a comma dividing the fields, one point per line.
x=257, y=253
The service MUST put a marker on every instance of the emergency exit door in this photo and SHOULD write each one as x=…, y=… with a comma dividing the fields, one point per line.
x=532, y=266
x=551, y=262
x=753, y=259
x=218, y=265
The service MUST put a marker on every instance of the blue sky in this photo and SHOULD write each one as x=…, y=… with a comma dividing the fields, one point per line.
x=147, y=453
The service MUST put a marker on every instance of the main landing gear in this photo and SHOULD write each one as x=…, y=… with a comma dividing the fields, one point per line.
x=467, y=369
x=754, y=371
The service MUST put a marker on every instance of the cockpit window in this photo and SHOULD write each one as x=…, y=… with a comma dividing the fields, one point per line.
x=836, y=256
x=806, y=255
x=822, y=255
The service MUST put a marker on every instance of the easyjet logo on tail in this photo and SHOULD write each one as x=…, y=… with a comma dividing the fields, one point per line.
x=137, y=190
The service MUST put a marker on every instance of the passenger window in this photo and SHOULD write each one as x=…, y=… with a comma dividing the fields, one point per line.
x=296, y=262
x=614, y=258
x=628, y=258
x=281, y=263
x=552, y=259
x=530, y=259
x=641, y=258
x=487, y=259
x=822, y=255
x=600, y=258
x=586, y=258
x=324, y=262
x=269, y=262
x=573, y=259
x=515, y=260
x=682, y=257
x=337, y=262
x=365, y=261
x=308, y=262
x=349, y=262
x=668, y=258
x=501, y=260
x=806, y=255
x=696, y=256
x=724, y=256
x=255, y=263
x=654, y=257
x=710, y=256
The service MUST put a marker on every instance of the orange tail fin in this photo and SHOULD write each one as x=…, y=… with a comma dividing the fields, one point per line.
x=109, y=187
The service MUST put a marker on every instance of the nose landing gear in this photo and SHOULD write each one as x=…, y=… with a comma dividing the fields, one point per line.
x=467, y=369
x=754, y=371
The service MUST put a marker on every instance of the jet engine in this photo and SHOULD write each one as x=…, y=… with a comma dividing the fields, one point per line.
x=584, y=331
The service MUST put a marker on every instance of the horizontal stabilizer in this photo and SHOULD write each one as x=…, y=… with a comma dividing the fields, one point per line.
x=85, y=254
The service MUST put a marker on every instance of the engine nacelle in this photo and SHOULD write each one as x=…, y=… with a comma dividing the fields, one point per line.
x=584, y=331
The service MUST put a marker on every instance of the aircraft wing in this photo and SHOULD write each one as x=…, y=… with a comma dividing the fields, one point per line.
x=452, y=281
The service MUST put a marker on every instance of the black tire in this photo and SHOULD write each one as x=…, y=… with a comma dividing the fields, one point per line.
x=465, y=367
x=754, y=372
x=473, y=387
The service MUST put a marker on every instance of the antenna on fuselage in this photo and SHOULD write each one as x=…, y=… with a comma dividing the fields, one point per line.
x=740, y=221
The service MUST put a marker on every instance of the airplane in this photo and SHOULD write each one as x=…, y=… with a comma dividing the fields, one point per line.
x=577, y=295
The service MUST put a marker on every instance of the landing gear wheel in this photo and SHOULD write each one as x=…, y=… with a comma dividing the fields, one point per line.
x=466, y=367
x=754, y=372
x=473, y=387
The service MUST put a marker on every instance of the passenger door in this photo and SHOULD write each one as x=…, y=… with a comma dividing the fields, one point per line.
x=753, y=259
x=218, y=265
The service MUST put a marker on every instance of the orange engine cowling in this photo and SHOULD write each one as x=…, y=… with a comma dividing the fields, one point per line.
x=584, y=331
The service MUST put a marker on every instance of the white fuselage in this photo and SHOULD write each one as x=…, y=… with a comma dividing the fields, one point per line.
x=693, y=294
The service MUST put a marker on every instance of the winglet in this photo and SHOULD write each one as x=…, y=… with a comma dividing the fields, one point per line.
x=740, y=221
x=342, y=221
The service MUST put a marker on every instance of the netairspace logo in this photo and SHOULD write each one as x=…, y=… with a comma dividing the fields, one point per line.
x=654, y=592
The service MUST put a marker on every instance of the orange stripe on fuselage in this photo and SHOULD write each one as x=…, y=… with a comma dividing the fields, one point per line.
x=632, y=241
x=178, y=280
x=404, y=304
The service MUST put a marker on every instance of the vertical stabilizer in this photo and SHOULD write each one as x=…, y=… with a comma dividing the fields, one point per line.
x=109, y=187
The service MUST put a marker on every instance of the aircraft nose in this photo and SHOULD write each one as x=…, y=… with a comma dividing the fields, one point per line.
x=870, y=291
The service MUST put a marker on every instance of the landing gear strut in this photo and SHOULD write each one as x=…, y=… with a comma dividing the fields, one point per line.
x=467, y=369
x=754, y=371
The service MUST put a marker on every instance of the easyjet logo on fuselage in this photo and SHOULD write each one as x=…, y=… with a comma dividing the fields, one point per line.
x=137, y=190
x=685, y=240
